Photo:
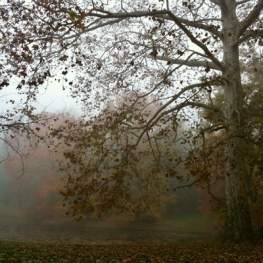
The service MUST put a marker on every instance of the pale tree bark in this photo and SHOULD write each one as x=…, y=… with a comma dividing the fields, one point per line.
x=238, y=226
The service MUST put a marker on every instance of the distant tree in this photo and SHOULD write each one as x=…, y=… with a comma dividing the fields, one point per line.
x=36, y=190
x=18, y=130
x=123, y=45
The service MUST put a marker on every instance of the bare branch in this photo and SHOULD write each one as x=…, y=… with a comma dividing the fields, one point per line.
x=242, y=2
x=202, y=105
x=249, y=20
x=104, y=14
x=197, y=24
x=167, y=5
x=190, y=63
x=160, y=113
x=88, y=29
x=218, y=2
x=251, y=34
x=213, y=128
x=191, y=184
x=195, y=41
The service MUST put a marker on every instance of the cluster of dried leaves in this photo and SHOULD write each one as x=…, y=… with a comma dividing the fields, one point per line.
x=165, y=253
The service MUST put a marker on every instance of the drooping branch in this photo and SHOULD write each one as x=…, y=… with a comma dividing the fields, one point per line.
x=161, y=112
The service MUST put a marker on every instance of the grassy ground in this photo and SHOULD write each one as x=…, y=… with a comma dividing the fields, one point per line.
x=182, y=238
x=117, y=253
x=184, y=227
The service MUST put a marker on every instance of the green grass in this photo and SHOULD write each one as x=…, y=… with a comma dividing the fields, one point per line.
x=120, y=253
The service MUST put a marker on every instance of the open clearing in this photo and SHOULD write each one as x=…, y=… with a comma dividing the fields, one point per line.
x=183, y=238
x=182, y=227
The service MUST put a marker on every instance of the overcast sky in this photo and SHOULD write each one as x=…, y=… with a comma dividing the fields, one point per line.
x=51, y=98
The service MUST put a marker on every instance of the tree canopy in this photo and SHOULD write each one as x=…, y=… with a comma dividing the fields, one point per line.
x=173, y=54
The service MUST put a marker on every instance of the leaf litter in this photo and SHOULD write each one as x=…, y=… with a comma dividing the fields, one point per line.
x=128, y=253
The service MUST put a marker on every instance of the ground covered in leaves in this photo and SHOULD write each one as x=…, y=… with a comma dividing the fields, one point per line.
x=144, y=253
x=184, y=238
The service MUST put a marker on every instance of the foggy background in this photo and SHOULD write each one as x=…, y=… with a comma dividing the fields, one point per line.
x=32, y=210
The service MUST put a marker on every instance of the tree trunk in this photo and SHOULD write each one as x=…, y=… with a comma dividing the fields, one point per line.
x=238, y=226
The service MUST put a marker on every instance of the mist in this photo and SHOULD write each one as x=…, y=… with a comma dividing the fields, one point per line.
x=32, y=211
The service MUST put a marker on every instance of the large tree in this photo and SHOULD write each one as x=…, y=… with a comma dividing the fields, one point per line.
x=213, y=145
x=146, y=46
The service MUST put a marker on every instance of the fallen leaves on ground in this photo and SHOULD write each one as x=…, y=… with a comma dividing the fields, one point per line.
x=128, y=253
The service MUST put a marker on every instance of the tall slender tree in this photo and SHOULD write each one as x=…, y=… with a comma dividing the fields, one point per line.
x=114, y=46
